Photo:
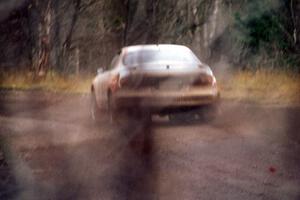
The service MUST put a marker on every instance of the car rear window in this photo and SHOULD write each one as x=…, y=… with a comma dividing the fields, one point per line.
x=159, y=55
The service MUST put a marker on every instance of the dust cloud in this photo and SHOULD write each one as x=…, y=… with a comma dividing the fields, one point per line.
x=57, y=152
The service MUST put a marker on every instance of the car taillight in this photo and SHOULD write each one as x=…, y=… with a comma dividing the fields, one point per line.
x=204, y=80
x=114, y=83
x=130, y=81
x=124, y=82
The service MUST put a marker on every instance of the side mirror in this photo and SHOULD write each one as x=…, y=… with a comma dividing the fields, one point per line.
x=100, y=70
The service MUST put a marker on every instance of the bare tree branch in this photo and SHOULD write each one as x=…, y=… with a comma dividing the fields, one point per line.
x=85, y=6
x=294, y=21
x=68, y=40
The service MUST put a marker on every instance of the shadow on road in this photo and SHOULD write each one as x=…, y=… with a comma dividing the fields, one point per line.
x=136, y=174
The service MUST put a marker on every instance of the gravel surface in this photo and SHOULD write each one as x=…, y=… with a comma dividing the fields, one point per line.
x=50, y=149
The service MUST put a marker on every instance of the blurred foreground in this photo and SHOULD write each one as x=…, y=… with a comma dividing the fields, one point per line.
x=54, y=151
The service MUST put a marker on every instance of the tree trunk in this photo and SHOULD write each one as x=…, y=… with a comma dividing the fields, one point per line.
x=57, y=45
x=126, y=25
x=151, y=6
x=41, y=37
x=68, y=41
x=77, y=64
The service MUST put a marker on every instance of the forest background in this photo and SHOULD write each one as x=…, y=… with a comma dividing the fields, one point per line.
x=252, y=45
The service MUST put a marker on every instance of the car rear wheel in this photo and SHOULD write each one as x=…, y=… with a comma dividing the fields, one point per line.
x=182, y=117
x=118, y=116
x=209, y=113
x=94, y=110
x=203, y=114
x=115, y=116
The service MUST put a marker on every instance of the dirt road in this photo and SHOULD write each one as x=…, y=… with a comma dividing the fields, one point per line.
x=51, y=150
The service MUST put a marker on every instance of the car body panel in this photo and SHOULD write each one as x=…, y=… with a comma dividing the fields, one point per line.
x=155, y=99
x=155, y=84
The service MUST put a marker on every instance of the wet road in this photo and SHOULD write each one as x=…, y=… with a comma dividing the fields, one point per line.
x=54, y=151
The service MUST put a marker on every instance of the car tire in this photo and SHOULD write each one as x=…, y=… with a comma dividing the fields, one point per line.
x=115, y=116
x=94, y=110
x=182, y=117
x=209, y=113
x=143, y=116
x=119, y=116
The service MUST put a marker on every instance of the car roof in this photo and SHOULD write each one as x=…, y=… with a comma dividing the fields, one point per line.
x=153, y=47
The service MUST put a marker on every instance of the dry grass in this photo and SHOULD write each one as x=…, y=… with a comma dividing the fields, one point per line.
x=53, y=82
x=268, y=87
x=271, y=87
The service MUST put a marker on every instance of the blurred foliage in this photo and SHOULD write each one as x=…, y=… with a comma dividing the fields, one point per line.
x=263, y=32
x=115, y=18
x=248, y=34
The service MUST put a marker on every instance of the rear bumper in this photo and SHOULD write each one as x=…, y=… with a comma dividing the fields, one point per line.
x=157, y=100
